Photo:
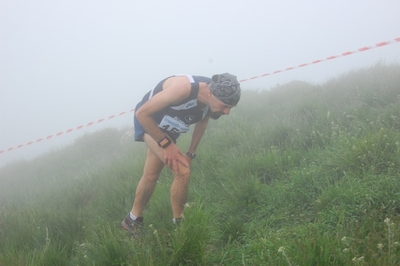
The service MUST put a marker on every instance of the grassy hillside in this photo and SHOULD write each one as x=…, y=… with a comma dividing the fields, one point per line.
x=301, y=174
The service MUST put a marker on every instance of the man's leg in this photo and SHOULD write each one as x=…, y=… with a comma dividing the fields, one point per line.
x=180, y=184
x=179, y=191
x=148, y=182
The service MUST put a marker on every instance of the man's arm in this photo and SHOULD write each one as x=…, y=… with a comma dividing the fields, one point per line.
x=174, y=90
x=199, y=129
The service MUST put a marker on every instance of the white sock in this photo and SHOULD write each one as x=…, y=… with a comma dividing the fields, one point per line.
x=133, y=217
x=179, y=219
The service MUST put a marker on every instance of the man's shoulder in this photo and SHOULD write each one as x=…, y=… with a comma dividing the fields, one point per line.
x=184, y=82
x=178, y=83
x=192, y=78
x=202, y=79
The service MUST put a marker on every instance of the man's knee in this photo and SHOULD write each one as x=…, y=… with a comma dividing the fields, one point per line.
x=184, y=174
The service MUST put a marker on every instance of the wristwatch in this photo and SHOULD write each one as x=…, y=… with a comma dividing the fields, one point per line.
x=191, y=155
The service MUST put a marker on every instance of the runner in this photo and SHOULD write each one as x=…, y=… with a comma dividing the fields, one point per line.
x=163, y=114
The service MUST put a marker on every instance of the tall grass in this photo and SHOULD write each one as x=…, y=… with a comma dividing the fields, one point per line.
x=302, y=174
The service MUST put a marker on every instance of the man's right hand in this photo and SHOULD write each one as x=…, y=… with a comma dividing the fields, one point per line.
x=172, y=156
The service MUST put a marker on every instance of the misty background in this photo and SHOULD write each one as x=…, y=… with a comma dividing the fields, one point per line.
x=67, y=63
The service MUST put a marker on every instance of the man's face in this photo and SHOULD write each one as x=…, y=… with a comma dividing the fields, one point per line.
x=219, y=108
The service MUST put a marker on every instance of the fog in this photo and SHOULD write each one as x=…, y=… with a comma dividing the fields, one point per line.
x=66, y=63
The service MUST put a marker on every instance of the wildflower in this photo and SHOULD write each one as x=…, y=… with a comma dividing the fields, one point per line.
x=380, y=246
x=346, y=250
x=155, y=232
x=387, y=221
x=344, y=239
x=281, y=249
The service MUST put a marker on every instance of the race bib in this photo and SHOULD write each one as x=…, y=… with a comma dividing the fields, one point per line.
x=173, y=124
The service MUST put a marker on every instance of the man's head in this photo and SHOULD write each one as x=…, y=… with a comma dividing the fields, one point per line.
x=226, y=88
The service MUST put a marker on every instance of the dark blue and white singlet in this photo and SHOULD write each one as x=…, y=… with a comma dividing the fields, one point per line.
x=175, y=119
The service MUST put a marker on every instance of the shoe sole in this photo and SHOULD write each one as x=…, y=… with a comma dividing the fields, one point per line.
x=126, y=227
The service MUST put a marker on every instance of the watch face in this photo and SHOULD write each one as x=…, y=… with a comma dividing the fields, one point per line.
x=191, y=155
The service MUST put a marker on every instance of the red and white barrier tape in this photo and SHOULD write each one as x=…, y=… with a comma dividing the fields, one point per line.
x=362, y=49
x=67, y=131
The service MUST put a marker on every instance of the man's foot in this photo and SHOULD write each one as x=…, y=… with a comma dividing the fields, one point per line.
x=133, y=226
x=178, y=221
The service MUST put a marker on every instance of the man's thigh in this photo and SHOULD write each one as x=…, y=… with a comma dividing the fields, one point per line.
x=159, y=153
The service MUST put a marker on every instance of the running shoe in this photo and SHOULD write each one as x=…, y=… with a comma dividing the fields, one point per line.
x=133, y=226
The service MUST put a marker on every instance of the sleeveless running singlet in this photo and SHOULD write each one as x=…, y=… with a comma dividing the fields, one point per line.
x=175, y=119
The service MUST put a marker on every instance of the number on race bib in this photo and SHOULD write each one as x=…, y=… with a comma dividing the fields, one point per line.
x=173, y=125
x=170, y=129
